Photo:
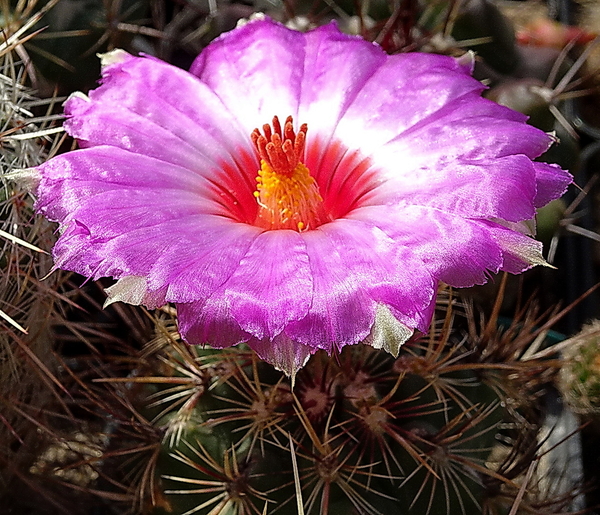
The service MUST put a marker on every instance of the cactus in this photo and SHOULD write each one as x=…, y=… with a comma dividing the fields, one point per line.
x=579, y=379
x=28, y=383
x=449, y=426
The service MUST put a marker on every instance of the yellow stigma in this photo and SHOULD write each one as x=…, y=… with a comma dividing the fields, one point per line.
x=287, y=195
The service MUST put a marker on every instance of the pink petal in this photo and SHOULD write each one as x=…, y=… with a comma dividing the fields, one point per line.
x=350, y=280
x=341, y=311
x=456, y=250
x=209, y=322
x=93, y=251
x=470, y=128
x=519, y=251
x=407, y=90
x=70, y=180
x=197, y=263
x=503, y=187
x=552, y=182
x=150, y=108
x=272, y=285
x=169, y=102
x=336, y=69
x=262, y=61
x=121, y=222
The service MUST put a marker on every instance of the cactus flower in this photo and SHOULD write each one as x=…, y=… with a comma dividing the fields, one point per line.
x=294, y=191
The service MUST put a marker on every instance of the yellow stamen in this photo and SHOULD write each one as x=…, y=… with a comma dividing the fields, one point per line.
x=285, y=191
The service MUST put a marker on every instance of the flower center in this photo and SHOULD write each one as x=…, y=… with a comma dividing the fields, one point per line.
x=287, y=195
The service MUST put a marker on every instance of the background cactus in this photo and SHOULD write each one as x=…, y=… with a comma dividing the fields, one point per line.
x=451, y=425
x=28, y=383
x=580, y=374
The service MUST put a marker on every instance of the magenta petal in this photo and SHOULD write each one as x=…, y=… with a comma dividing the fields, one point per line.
x=112, y=239
x=94, y=123
x=519, y=251
x=312, y=76
x=336, y=69
x=341, y=311
x=351, y=280
x=273, y=284
x=262, y=61
x=455, y=250
x=196, y=263
x=93, y=252
x=148, y=106
x=209, y=322
x=485, y=188
x=470, y=128
x=409, y=89
x=119, y=222
x=70, y=181
x=394, y=275
x=552, y=182
x=183, y=259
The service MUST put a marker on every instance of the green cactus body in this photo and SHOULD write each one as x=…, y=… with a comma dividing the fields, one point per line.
x=369, y=433
x=579, y=379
